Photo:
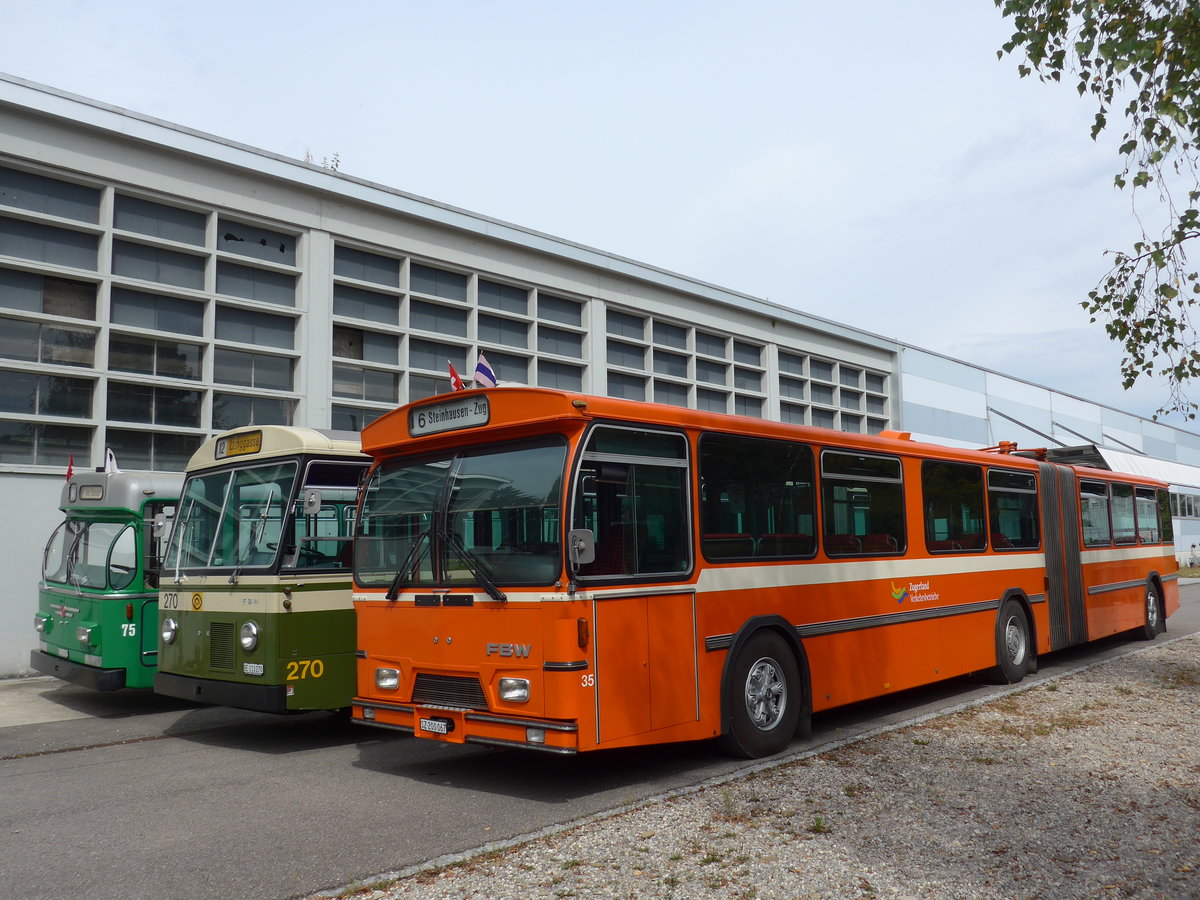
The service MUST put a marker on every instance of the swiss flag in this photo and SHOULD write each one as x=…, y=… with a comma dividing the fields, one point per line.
x=70, y=466
x=456, y=383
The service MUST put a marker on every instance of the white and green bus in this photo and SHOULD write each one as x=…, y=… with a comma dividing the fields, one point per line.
x=97, y=619
x=254, y=601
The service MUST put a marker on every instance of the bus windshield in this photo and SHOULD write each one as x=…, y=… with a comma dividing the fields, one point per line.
x=489, y=514
x=232, y=518
x=95, y=555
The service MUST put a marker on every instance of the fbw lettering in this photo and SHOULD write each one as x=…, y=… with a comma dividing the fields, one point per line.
x=509, y=649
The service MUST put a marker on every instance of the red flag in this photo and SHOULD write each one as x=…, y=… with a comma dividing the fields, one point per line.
x=456, y=383
x=70, y=466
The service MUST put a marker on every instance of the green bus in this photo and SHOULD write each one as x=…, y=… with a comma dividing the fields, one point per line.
x=96, y=620
x=254, y=600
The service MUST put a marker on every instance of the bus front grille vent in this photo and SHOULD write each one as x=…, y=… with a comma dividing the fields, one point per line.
x=449, y=690
x=221, y=644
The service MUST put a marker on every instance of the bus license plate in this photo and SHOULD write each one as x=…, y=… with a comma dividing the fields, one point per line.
x=436, y=726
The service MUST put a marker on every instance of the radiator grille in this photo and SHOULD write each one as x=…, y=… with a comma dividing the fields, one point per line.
x=221, y=644
x=449, y=690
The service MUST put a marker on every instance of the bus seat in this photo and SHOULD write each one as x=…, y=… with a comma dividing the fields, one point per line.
x=613, y=552
x=842, y=543
x=879, y=543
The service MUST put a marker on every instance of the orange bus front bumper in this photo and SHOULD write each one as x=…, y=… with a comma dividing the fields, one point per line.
x=469, y=726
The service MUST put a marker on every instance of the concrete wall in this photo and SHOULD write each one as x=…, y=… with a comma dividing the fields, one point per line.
x=28, y=513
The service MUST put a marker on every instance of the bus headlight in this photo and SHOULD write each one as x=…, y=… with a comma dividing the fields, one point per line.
x=83, y=634
x=514, y=690
x=387, y=679
x=41, y=624
x=249, y=636
x=170, y=628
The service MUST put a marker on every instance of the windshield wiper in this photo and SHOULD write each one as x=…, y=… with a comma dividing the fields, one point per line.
x=474, y=564
x=402, y=572
x=255, y=537
x=72, y=558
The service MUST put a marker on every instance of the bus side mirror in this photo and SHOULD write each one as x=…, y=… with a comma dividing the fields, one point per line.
x=312, y=502
x=581, y=544
x=153, y=562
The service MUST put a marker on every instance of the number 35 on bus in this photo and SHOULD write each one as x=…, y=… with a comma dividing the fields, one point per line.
x=548, y=570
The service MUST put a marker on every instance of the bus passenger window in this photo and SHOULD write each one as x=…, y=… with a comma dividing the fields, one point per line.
x=952, y=499
x=1165, y=525
x=863, y=499
x=1147, y=516
x=1123, y=523
x=756, y=498
x=1093, y=512
x=1013, y=510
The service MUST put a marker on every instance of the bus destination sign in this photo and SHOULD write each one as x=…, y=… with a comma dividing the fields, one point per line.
x=239, y=445
x=467, y=412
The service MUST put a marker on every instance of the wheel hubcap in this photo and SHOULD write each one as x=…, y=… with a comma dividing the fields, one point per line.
x=766, y=694
x=1014, y=638
x=1151, y=610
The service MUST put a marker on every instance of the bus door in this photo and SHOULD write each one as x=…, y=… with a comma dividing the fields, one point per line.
x=632, y=494
x=646, y=665
x=1064, y=576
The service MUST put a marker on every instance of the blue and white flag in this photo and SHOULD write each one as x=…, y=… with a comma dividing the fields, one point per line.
x=484, y=376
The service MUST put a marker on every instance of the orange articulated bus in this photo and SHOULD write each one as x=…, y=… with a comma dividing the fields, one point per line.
x=548, y=570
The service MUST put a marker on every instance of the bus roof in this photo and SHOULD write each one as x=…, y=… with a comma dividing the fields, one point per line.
x=509, y=412
x=91, y=490
x=255, y=442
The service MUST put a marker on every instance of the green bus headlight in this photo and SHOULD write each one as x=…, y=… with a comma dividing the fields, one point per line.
x=249, y=636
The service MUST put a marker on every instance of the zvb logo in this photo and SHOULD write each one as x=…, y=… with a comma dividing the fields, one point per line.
x=899, y=594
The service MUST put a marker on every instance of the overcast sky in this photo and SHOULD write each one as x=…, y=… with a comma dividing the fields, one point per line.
x=872, y=163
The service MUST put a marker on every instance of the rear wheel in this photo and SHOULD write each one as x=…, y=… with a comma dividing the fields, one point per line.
x=1155, y=623
x=1012, y=643
x=764, y=697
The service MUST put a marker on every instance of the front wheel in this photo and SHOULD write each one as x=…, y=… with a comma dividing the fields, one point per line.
x=1155, y=623
x=764, y=697
x=1012, y=643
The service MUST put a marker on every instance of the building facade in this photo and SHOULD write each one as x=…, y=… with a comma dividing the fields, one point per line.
x=158, y=285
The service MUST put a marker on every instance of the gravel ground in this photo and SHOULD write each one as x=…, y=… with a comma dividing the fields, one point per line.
x=1084, y=787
